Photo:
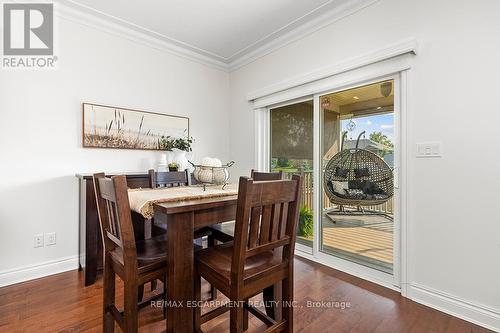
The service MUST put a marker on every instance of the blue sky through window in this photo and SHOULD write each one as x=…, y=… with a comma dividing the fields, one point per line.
x=378, y=123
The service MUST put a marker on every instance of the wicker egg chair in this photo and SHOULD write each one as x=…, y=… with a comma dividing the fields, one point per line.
x=358, y=177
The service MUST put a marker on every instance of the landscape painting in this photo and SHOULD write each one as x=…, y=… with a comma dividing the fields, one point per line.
x=114, y=127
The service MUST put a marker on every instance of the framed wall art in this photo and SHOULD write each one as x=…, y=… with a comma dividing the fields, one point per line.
x=122, y=128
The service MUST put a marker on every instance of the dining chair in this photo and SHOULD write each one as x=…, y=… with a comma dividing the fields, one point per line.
x=171, y=179
x=261, y=255
x=135, y=262
x=165, y=179
x=224, y=232
x=168, y=178
x=175, y=179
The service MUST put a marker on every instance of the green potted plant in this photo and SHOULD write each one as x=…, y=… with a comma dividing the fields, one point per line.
x=183, y=144
x=166, y=143
x=305, y=222
x=173, y=167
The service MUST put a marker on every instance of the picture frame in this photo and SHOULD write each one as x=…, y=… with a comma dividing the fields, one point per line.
x=112, y=127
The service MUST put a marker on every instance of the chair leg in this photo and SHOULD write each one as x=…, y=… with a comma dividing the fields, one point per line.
x=197, y=297
x=211, y=241
x=245, y=316
x=109, y=297
x=213, y=293
x=236, y=319
x=268, y=295
x=140, y=293
x=165, y=297
x=272, y=301
x=287, y=302
x=131, y=312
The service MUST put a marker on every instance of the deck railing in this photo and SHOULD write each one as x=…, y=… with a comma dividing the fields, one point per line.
x=307, y=196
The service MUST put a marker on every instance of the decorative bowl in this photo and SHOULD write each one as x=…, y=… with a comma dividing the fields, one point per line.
x=212, y=175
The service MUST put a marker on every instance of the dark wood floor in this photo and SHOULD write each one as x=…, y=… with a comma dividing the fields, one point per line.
x=61, y=303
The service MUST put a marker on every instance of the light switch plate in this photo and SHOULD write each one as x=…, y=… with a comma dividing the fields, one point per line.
x=429, y=149
x=50, y=238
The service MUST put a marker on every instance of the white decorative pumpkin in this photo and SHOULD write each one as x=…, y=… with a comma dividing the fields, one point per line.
x=211, y=170
x=206, y=161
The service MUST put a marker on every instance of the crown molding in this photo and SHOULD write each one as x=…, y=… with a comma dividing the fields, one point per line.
x=282, y=38
x=73, y=11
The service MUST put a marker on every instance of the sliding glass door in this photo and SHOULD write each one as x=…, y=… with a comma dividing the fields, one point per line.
x=357, y=162
x=345, y=144
x=291, y=143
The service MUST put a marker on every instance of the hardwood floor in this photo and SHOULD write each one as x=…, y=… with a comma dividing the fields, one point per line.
x=61, y=303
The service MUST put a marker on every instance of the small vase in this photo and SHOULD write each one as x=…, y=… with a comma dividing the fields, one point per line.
x=162, y=164
x=173, y=169
x=165, y=159
x=170, y=156
x=181, y=159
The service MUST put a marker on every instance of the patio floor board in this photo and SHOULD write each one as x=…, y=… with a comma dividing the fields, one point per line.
x=367, y=237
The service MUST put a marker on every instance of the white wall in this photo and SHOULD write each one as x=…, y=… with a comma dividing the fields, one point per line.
x=453, y=209
x=454, y=225
x=40, y=130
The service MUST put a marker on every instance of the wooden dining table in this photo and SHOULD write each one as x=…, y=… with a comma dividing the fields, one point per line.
x=182, y=218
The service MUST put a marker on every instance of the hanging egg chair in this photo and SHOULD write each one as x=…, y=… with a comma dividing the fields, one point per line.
x=358, y=177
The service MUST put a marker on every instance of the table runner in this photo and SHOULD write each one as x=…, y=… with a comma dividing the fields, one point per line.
x=143, y=200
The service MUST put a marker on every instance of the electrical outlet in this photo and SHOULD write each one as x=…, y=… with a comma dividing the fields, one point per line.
x=38, y=240
x=50, y=238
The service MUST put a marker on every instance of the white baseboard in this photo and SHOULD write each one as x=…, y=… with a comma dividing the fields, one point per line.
x=475, y=313
x=36, y=271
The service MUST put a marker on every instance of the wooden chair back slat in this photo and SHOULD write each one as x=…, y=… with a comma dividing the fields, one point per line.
x=115, y=217
x=168, y=179
x=109, y=217
x=265, y=224
x=114, y=226
x=263, y=176
x=254, y=227
x=111, y=209
x=276, y=218
x=107, y=189
x=266, y=219
x=283, y=219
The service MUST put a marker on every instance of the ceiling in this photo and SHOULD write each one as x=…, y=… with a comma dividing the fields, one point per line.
x=360, y=94
x=362, y=99
x=223, y=30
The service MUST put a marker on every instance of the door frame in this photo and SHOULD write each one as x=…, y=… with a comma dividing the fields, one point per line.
x=392, y=281
x=400, y=72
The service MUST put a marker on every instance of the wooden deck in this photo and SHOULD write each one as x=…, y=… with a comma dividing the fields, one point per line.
x=363, y=238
